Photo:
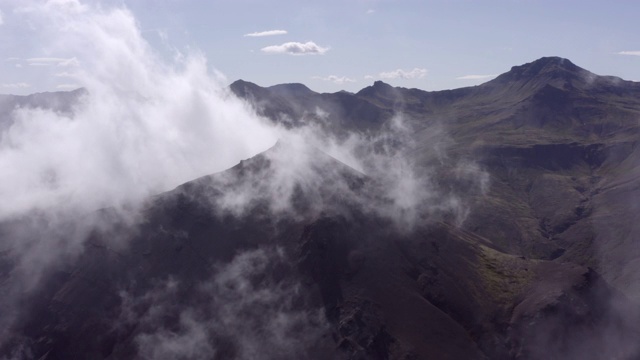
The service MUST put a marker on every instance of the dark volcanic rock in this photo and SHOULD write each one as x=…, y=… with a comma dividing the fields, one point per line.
x=544, y=265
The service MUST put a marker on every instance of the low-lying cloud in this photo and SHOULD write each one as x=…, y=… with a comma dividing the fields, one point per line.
x=244, y=312
x=296, y=48
x=145, y=125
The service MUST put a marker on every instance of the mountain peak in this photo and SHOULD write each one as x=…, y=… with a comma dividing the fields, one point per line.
x=552, y=70
x=547, y=64
x=289, y=89
x=380, y=84
x=244, y=88
x=551, y=67
x=379, y=89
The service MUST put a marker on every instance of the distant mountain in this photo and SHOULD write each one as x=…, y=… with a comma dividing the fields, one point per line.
x=296, y=105
x=544, y=265
x=59, y=101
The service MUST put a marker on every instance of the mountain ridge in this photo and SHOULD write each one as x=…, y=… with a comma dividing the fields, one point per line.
x=544, y=162
x=550, y=68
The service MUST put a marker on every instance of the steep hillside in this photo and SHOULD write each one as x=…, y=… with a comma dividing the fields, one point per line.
x=559, y=142
x=435, y=291
x=520, y=243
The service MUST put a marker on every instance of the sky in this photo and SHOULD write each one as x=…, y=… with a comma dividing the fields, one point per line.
x=344, y=45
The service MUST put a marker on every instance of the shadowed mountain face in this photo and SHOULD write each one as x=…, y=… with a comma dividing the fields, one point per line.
x=544, y=264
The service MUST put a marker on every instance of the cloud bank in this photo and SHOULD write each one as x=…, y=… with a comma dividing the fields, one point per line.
x=144, y=125
x=296, y=48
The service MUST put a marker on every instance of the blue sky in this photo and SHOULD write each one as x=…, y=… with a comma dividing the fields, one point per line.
x=348, y=44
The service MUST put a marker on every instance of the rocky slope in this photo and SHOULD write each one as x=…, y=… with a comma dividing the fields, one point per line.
x=543, y=266
x=559, y=142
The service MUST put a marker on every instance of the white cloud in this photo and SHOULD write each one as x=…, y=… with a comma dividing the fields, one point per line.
x=20, y=85
x=175, y=122
x=48, y=61
x=1, y=18
x=634, y=53
x=67, y=6
x=416, y=73
x=335, y=79
x=370, y=11
x=266, y=33
x=369, y=77
x=67, y=86
x=476, y=77
x=18, y=65
x=296, y=48
x=158, y=142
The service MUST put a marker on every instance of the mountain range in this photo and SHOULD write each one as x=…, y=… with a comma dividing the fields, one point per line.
x=519, y=239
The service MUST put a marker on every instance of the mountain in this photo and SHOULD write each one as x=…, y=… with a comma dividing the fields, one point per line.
x=61, y=101
x=295, y=105
x=276, y=261
x=544, y=130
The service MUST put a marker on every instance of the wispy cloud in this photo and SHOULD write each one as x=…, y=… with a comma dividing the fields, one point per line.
x=335, y=79
x=416, y=73
x=49, y=61
x=370, y=11
x=634, y=53
x=20, y=85
x=1, y=18
x=266, y=33
x=296, y=48
x=476, y=77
